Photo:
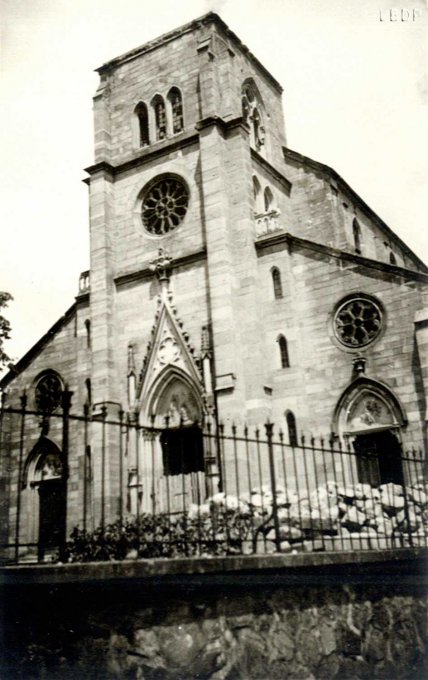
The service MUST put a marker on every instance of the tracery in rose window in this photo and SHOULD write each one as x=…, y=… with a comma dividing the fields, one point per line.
x=357, y=322
x=48, y=392
x=164, y=205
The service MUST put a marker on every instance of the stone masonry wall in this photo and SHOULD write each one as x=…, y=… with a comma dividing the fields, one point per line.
x=250, y=626
x=320, y=367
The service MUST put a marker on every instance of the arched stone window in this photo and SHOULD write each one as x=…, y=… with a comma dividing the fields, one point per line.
x=88, y=391
x=268, y=199
x=392, y=258
x=257, y=191
x=143, y=124
x=48, y=392
x=356, y=231
x=292, y=428
x=251, y=112
x=88, y=332
x=159, y=110
x=276, y=281
x=176, y=108
x=283, y=352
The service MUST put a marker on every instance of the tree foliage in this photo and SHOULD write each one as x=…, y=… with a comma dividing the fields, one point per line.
x=4, y=327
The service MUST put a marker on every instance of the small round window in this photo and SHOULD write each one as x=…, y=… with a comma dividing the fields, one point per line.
x=357, y=321
x=164, y=205
x=48, y=392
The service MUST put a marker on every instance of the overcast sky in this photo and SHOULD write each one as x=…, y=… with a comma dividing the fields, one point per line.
x=355, y=98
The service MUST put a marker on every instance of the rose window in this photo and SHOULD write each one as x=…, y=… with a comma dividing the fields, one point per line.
x=358, y=322
x=48, y=393
x=164, y=205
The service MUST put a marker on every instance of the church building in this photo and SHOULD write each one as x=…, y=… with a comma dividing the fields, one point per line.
x=232, y=280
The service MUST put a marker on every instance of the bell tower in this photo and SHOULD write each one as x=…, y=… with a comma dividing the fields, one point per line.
x=178, y=124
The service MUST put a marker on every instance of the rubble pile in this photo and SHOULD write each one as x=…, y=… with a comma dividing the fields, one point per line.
x=331, y=517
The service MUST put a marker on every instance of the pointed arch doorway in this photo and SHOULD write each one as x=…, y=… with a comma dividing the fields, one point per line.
x=44, y=496
x=370, y=417
x=174, y=464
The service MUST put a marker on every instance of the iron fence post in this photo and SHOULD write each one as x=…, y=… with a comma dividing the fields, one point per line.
x=269, y=436
x=85, y=464
x=406, y=512
x=121, y=415
x=23, y=400
x=103, y=463
x=66, y=405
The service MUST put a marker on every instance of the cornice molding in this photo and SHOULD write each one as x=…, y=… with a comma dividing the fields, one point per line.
x=148, y=154
x=296, y=242
x=146, y=272
x=271, y=170
x=225, y=125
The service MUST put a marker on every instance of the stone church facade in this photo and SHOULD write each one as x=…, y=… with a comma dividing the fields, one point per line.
x=231, y=279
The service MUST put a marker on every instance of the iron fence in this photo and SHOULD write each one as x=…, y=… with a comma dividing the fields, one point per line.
x=102, y=486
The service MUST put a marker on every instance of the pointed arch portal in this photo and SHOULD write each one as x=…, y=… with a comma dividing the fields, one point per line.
x=172, y=461
x=45, y=496
x=370, y=416
x=176, y=407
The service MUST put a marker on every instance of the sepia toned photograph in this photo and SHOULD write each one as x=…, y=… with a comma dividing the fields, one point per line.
x=214, y=340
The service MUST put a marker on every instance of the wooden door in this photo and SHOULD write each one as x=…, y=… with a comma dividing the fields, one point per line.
x=51, y=516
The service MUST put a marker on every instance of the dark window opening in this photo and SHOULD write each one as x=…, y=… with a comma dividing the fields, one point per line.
x=268, y=199
x=160, y=117
x=143, y=124
x=378, y=458
x=174, y=97
x=256, y=193
x=283, y=351
x=277, y=286
x=88, y=332
x=356, y=230
x=292, y=429
x=392, y=258
x=88, y=391
x=182, y=450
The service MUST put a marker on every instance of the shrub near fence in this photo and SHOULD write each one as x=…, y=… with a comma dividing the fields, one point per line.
x=331, y=518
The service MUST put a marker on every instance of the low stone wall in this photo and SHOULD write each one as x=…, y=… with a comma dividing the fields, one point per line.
x=334, y=621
